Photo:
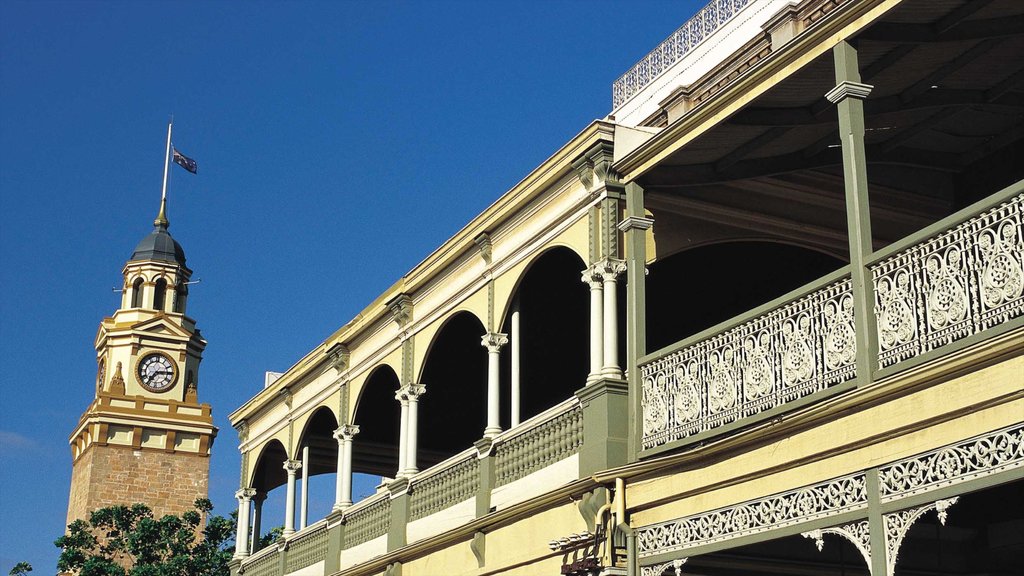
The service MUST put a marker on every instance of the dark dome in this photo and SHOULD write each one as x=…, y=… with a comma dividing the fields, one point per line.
x=159, y=245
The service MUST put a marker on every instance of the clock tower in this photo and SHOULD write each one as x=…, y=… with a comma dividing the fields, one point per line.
x=145, y=437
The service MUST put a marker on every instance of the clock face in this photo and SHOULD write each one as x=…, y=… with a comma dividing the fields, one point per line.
x=156, y=372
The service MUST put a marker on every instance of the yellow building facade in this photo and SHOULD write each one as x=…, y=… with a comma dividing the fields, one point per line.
x=765, y=317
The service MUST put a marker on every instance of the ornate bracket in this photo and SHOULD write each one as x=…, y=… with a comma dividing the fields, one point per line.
x=898, y=524
x=594, y=167
x=858, y=533
x=663, y=569
x=339, y=357
x=483, y=242
x=401, y=309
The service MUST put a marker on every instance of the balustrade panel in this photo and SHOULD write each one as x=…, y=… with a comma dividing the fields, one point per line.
x=307, y=547
x=434, y=492
x=367, y=522
x=540, y=446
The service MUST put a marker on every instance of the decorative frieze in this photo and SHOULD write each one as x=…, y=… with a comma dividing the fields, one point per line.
x=956, y=284
x=858, y=533
x=794, y=507
x=898, y=524
x=978, y=457
x=790, y=352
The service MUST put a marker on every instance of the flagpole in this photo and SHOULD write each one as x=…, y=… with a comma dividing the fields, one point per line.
x=167, y=159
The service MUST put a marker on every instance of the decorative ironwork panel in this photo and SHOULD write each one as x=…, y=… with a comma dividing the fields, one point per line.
x=266, y=564
x=671, y=50
x=367, y=522
x=790, y=352
x=963, y=281
x=898, y=524
x=788, y=508
x=978, y=457
x=454, y=484
x=541, y=446
x=307, y=548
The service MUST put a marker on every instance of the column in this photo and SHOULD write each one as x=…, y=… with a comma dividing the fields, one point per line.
x=343, y=484
x=634, y=228
x=610, y=271
x=412, y=393
x=257, y=520
x=244, y=497
x=403, y=432
x=493, y=341
x=514, y=334
x=290, y=467
x=592, y=277
x=849, y=95
x=304, y=507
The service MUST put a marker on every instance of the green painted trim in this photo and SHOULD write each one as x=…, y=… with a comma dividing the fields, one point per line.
x=636, y=313
x=952, y=347
x=282, y=559
x=876, y=525
x=761, y=310
x=485, y=486
x=782, y=532
x=335, y=542
x=592, y=231
x=752, y=420
x=399, y=521
x=951, y=221
x=605, y=406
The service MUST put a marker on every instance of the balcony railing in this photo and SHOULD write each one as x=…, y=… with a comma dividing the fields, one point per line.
x=367, y=520
x=445, y=485
x=307, y=548
x=670, y=51
x=955, y=279
x=539, y=442
x=263, y=563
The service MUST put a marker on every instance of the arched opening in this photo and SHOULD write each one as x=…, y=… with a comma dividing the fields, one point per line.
x=268, y=479
x=180, y=297
x=159, y=294
x=137, y=293
x=375, y=448
x=693, y=290
x=321, y=462
x=453, y=411
x=554, y=327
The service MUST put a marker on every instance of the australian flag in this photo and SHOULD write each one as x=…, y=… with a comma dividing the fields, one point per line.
x=184, y=161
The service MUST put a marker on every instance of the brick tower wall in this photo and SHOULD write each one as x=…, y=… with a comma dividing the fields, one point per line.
x=166, y=482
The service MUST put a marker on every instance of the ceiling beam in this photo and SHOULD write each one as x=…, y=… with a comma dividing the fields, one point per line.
x=939, y=74
x=741, y=151
x=902, y=33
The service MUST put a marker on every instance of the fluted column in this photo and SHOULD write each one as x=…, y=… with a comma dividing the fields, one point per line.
x=291, y=467
x=493, y=341
x=592, y=277
x=304, y=507
x=409, y=396
x=515, y=351
x=610, y=271
x=244, y=497
x=343, y=483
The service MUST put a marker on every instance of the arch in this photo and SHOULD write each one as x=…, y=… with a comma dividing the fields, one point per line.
x=554, y=331
x=137, y=292
x=455, y=375
x=377, y=413
x=268, y=472
x=528, y=266
x=159, y=294
x=697, y=288
x=318, y=434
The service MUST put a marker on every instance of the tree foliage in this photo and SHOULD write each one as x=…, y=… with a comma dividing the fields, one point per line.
x=129, y=541
x=21, y=569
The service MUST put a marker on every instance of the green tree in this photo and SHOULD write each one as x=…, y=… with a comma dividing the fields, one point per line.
x=21, y=569
x=129, y=541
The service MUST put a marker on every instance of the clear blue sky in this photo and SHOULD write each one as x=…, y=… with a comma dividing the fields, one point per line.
x=338, y=144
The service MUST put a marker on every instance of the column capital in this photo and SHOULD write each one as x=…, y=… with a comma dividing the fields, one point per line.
x=410, y=392
x=493, y=341
x=292, y=466
x=610, y=268
x=592, y=277
x=245, y=494
x=346, y=432
x=848, y=89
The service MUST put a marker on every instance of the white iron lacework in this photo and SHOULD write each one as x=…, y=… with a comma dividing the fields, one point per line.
x=858, y=533
x=960, y=282
x=792, y=351
x=670, y=51
x=898, y=523
x=980, y=456
x=796, y=506
x=672, y=568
